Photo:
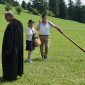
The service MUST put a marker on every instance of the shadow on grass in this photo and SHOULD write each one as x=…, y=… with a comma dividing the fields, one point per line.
x=25, y=61
x=17, y=14
x=37, y=59
x=2, y=80
x=26, y=12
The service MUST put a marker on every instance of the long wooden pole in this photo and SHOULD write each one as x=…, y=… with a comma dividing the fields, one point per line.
x=62, y=33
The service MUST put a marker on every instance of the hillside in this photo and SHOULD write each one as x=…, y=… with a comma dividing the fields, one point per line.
x=60, y=22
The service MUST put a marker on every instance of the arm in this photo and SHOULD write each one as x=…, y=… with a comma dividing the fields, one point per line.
x=38, y=27
x=34, y=31
x=9, y=39
x=56, y=27
x=28, y=33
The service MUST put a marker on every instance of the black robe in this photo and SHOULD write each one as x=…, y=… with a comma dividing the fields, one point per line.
x=12, y=62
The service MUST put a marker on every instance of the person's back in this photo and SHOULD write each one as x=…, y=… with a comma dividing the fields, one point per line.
x=12, y=50
x=19, y=43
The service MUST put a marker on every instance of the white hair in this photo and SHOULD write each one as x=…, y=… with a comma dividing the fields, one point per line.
x=9, y=13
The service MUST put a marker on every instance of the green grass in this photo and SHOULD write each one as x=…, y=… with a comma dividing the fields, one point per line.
x=65, y=64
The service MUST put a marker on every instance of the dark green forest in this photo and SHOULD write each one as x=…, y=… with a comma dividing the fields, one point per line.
x=54, y=8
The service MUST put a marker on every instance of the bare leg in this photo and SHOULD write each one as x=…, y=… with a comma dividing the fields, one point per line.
x=29, y=54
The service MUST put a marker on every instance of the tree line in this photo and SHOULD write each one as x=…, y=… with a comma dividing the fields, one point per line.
x=54, y=8
x=58, y=8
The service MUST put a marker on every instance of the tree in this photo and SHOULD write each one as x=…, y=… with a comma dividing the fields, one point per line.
x=50, y=13
x=6, y=1
x=62, y=9
x=19, y=9
x=28, y=6
x=54, y=7
x=39, y=5
x=8, y=7
x=9, y=1
x=16, y=3
x=1, y=2
x=83, y=14
x=70, y=10
x=23, y=4
x=34, y=3
x=46, y=4
x=78, y=11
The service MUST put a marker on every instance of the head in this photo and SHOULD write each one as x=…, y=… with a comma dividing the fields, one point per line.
x=44, y=18
x=30, y=23
x=9, y=15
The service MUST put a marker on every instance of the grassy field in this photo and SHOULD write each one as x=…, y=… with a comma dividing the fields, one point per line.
x=65, y=64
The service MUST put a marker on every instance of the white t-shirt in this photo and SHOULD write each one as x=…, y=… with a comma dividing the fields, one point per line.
x=29, y=33
x=44, y=28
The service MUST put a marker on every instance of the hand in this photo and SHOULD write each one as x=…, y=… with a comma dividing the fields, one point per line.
x=35, y=32
x=59, y=29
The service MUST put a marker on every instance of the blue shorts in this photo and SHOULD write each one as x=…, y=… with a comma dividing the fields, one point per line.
x=29, y=45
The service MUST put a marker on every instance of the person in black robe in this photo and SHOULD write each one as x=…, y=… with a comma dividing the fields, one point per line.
x=12, y=48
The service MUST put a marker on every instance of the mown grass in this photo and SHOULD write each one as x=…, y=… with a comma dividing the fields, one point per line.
x=65, y=64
